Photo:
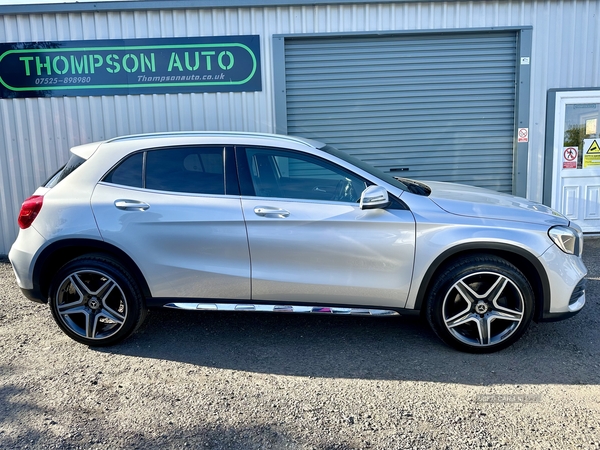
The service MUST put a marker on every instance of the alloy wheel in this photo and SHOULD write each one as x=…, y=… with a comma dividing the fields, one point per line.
x=483, y=309
x=91, y=304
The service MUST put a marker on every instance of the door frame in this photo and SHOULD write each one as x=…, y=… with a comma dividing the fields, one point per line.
x=556, y=101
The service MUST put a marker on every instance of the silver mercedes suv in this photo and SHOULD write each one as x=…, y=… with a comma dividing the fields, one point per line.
x=257, y=222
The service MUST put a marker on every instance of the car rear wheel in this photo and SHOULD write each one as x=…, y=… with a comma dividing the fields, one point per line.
x=95, y=301
x=480, y=304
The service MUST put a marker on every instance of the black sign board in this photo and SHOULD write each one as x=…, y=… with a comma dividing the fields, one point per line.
x=130, y=66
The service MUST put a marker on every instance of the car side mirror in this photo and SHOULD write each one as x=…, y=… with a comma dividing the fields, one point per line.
x=374, y=197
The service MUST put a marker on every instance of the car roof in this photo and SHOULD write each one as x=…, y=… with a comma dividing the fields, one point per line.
x=156, y=140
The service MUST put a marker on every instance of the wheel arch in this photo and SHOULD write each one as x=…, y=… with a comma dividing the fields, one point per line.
x=527, y=263
x=57, y=254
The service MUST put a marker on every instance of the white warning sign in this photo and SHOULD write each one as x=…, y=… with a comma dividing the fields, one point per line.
x=523, y=135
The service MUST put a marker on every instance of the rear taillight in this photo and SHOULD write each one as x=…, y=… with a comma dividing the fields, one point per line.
x=29, y=210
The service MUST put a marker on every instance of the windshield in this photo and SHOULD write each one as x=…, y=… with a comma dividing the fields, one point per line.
x=366, y=167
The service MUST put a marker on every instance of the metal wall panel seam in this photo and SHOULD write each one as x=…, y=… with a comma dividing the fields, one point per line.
x=7, y=218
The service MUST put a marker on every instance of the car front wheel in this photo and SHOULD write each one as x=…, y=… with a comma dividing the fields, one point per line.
x=480, y=304
x=95, y=301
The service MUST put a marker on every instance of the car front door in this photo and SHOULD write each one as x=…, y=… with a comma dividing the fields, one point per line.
x=309, y=240
x=177, y=215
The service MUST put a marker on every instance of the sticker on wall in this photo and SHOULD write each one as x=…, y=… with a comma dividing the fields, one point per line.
x=130, y=66
x=523, y=135
x=591, y=153
x=570, y=158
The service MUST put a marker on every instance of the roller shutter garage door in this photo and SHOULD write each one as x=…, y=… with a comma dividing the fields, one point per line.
x=429, y=107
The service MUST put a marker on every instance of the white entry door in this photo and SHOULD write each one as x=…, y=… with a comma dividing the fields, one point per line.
x=576, y=165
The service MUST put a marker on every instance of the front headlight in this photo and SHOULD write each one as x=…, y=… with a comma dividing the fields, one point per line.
x=568, y=239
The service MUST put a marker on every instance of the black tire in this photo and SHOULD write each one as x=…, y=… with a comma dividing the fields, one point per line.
x=480, y=304
x=95, y=301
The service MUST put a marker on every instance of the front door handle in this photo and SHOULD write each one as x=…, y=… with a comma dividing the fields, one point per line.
x=131, y=205
x=269, y=211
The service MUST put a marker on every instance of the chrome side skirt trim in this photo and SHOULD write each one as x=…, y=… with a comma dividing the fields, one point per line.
x=280, y=308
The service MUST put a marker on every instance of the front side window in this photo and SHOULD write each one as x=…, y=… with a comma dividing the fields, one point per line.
x=288, y=174
x=195, y=170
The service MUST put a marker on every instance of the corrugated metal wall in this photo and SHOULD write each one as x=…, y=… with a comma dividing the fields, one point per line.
x=36, y=133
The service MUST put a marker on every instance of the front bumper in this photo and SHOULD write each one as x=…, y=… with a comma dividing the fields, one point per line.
x=566, y=276
x=576, y=304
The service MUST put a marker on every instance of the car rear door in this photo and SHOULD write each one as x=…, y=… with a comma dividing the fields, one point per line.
x=178, y=216
x=309, y=240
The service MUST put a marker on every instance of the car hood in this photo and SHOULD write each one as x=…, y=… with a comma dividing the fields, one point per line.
x=478, y=202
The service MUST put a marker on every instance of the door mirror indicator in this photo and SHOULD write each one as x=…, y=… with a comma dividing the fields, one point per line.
x=374, y=197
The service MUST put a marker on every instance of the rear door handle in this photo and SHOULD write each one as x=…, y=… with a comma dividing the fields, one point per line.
x=131, y=205
x=269, y=211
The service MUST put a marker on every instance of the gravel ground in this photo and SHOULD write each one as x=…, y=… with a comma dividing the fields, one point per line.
x=272, y=381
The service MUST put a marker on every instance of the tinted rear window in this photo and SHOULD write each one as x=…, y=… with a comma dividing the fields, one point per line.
x=193, y=170
x=128, y=173
x=196, y=170
x=73, y=163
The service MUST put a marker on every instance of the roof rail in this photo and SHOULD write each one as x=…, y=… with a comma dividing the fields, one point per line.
x=168, y=134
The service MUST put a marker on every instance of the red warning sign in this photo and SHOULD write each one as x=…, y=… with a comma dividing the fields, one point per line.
x=523, y=135
x=570, y=158
x=570, y=153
